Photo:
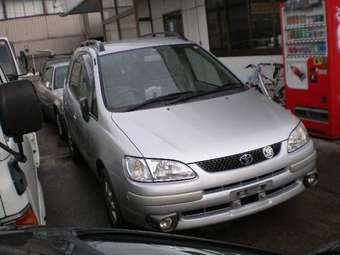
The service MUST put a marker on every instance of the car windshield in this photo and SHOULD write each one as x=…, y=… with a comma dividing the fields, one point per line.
x=136, y=76
x=6, y=59
x=59, y=77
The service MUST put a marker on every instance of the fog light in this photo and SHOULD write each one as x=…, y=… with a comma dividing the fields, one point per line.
x=311, y=180
x=164, y=223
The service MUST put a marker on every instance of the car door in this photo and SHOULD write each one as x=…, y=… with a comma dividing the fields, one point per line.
x=87, y=91
x=71, y=101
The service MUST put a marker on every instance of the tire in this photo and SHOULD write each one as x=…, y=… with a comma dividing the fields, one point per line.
x=111, y=202
x=74, y=152
x=61, y=126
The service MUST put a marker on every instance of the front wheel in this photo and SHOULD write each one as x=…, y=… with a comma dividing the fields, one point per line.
x=60, y=126
x=111, y=202
x=74, y=152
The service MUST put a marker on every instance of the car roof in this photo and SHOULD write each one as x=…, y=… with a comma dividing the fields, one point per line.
x=4, y=39
x=140, y=43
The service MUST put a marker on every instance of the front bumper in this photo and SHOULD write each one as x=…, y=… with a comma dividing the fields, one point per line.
x=210, y=199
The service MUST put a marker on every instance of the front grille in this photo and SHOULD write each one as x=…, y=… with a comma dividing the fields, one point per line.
x=234, y=161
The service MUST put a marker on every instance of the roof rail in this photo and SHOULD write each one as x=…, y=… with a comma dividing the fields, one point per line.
x=93, y=43
x=165, y=34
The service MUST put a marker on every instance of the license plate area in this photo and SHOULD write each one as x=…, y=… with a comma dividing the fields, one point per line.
x=251, y=191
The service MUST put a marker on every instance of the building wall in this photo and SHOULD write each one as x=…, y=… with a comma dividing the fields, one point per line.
x=59, y=34
x=194, y=17
x=127, y=24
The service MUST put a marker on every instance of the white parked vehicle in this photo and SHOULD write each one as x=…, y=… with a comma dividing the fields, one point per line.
x=21, y=194
x=8, y=60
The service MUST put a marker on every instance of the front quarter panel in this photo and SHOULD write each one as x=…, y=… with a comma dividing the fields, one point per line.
x=108, y=142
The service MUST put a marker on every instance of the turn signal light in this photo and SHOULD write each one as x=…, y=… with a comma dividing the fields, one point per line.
x=28, y=218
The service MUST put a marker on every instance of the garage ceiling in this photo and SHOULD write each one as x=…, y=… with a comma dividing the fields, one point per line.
x=79, y=6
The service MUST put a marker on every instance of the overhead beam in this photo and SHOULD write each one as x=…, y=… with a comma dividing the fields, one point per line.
x=135, y=10
x=150, y=14
x=118, y=21
x=119, y=16
x=102, y=19
x=4, y=8
x=44, y=7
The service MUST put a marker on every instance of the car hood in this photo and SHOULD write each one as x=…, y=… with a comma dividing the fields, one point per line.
x=206, y=129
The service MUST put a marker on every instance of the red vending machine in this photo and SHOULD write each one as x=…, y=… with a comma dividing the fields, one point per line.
x=311, y=50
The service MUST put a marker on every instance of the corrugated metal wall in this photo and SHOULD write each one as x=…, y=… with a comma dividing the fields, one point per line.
x=127, y=24
x=46, y=32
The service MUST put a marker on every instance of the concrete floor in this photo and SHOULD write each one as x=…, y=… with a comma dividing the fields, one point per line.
x=303, y=224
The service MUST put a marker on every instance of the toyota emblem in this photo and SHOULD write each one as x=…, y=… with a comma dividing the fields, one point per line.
x=246, y=159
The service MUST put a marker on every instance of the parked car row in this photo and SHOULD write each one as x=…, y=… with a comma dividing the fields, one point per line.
x=176, y=140
x=50, y=92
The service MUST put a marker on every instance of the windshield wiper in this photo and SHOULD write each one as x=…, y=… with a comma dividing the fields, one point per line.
x=161, y=99
x=226, y=87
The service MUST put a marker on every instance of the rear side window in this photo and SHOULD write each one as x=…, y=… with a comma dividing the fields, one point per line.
x=87, y=88
x=59, y=77
x=75, y=79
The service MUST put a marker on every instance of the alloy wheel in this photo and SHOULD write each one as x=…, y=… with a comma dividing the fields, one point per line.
x=111, y=203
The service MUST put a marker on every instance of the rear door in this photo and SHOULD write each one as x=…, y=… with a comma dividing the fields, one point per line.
x=71, y=105
x=87, y=91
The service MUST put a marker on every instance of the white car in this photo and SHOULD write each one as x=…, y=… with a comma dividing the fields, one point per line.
x=21, y=193
x=8, y=60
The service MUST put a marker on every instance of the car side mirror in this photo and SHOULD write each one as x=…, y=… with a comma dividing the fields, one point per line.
x=84, y=107
x=20, y=113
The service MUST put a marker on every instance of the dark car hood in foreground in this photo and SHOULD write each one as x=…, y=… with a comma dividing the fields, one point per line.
x=123, y=242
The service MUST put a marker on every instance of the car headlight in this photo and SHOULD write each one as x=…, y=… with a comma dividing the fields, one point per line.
x=157, y=170
x=298, y=138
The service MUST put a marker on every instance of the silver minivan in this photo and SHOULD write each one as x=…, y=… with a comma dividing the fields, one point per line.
x=176, y=139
